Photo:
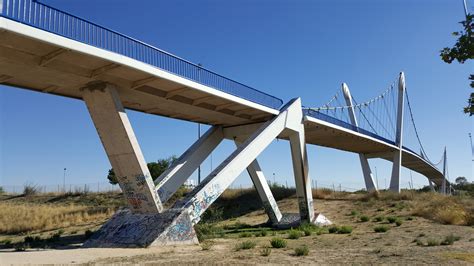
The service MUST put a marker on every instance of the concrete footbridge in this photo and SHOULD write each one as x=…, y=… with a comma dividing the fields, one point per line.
x=47, y=50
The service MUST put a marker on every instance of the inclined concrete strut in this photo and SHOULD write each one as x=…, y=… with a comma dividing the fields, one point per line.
x=175, y=176
x=121, y=146
x=260, y=183
x=397, y=156
x=368, y=176
x=290, y=118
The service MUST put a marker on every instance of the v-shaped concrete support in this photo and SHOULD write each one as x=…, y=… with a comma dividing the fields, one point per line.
x=175, y=225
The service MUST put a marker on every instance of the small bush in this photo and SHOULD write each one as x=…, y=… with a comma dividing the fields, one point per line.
x=345, y=229
x=302, y=251
x=380, y=209
x=449, y=240
x=88, y=234
x=30, y=190
x=278, y=242
x=245, y=234
x=398, y=222
x=391, y=219
x=249, y=244
x=432, y=242
x=419, y=242
x=207, y=245
x=409, y=218
x=333, y=229
x=2, y=190
x=381, y=229
x=262, y=233
x=364, y=218
x=266, y=251
x=294, y=234
x=21, y=247
x=378, y=219
x=307, y=232
x=206, y=231
x=354, y=213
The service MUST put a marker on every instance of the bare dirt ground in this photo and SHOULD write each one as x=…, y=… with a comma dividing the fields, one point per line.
x=363, y=246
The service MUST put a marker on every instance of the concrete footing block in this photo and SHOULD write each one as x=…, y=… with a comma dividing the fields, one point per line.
x=127, y=230
x=292, y=220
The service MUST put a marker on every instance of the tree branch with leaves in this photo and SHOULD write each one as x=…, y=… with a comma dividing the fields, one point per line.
x=462, y=51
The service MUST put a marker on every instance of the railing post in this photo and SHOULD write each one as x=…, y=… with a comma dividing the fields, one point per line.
x=397, y=157
x=368, y=176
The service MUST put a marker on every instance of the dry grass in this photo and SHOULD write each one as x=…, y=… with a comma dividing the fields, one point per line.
x=26, y=217
x=444, y=209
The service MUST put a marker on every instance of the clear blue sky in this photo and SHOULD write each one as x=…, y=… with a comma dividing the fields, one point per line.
x=285, y=48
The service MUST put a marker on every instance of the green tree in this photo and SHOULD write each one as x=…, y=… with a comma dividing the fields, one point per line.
x=461, y=180
x=155, y=168
x=462, y=51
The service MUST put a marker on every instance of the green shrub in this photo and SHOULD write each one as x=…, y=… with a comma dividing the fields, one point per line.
x=449, y=240
x=212, y=215
x=398, y=222
x=245, y=234
x=432, y=242
x=391, y=219
x=278, y=242
x=333, y=229
x=30, y=189
x=354, y=213
x=345, y=229
x=21, y=247
x=88, y=234
x=207, y=245
x=249, y=244
x=307, y=232
x=206, y=231
x=262, y=232
x=419, y=242
x=381, y=229
x=266, y=251
x=294, y=234
x=364, y=218
x=302, y=251
x=378, y=219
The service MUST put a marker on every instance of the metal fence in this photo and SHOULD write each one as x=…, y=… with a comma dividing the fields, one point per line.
x=63, y=188
x=44, y=17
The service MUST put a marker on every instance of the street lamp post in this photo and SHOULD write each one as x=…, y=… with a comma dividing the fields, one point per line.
x=64, y=179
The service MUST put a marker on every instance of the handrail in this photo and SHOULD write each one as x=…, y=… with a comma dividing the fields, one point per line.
x=45, y=17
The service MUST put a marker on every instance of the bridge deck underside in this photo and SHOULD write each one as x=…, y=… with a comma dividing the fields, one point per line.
x=324, y=134
x=40, y=66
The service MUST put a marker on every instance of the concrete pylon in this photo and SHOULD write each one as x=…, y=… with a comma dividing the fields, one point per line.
x=368, y=176
x=443, y=185
x=125, y=156
x=397, y=155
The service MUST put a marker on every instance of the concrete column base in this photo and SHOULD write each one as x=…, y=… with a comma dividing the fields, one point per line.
x=134, y=230
x=292, y=220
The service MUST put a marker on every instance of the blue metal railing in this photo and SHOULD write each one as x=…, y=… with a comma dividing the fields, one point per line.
x=44, y=17
x=332, y=120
